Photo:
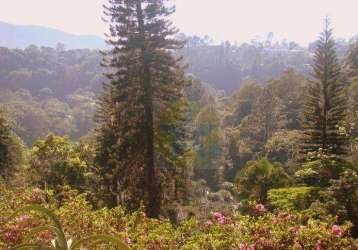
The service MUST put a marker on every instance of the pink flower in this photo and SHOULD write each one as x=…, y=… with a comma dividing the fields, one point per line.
x=24, y=218
x=8, y=236
x=289, y=217
x=244, y=246
x=11, y=235
x=260, y=208
x=217, y=215
x=318, y=246
x=128, y=240
x=209, y=222
x=222, y=220
x=337, y=230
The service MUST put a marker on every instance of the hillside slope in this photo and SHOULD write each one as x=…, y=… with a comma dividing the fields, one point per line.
x=18, y=36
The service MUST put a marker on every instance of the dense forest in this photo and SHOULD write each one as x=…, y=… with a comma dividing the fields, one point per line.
x=57, y=88
x=168, y=141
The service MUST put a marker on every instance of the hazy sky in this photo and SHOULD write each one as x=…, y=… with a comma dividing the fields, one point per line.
x=235, y=20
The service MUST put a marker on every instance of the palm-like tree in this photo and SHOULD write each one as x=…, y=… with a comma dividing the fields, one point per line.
x=260, y=176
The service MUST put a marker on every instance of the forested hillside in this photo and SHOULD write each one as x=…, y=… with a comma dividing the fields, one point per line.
x=167, y=141
x=53, y=84
x=21, y=36
x=56, y=88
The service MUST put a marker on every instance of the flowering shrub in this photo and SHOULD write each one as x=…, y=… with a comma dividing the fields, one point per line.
x=53, y=237
x=260, y=208
x=337, y=230
x=220, y=231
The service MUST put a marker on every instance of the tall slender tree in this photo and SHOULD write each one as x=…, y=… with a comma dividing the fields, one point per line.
x=145, y=80
x=326, y=102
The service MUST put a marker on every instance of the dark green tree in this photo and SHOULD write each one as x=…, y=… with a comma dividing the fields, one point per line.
x=10, y=149
x=145, y=80
x=258, y=177
x=326, y=102
x=343, y=198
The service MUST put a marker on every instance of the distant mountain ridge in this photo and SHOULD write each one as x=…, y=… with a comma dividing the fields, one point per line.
x=21, y=36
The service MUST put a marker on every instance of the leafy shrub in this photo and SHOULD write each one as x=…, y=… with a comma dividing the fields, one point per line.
x=55, y=162
x=292, y=198
x=56, y=232
x=258, y=177
x=219, y=231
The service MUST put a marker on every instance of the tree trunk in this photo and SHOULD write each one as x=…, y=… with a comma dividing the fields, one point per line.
x=151, y=183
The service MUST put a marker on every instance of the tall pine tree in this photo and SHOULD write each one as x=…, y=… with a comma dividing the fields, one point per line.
x=326, y=102
x=145, y=83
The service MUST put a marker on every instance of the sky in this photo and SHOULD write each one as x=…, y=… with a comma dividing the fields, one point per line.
x=233, y=20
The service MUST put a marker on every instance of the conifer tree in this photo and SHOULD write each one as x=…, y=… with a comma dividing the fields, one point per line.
x=326, y=102
x=145, y=82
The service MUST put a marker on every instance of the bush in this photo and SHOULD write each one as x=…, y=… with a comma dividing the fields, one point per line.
x=258, y=177
x=293, y=198
x=229, y=231
x=56, y=162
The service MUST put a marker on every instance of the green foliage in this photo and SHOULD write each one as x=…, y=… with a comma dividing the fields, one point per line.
x=208, y=140
x=266, y=113
x=326, y=103
x=258, y=126
x=260, y=119
x=234, y=64
x=289, y=88
x=320, y=169
x=57, y=72
x=34, y=116
x=220, y=231
x=283, y=147
x=137, y=117
x=341, y=198
x=292, y=198
x=157, y=129
x=351, y=128
x=60, y=242
x=258, y=177
x=351, y=59
x=56, y=162
x=11, y=149
x=244, y=101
